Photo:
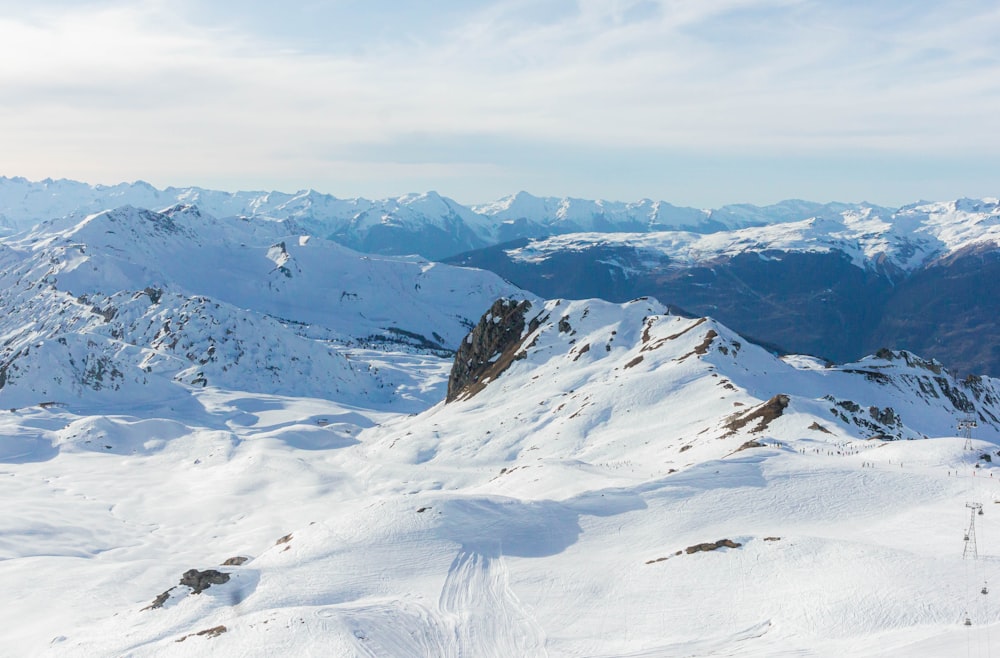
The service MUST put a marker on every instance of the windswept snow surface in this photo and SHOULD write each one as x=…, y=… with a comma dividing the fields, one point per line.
x=548, y=514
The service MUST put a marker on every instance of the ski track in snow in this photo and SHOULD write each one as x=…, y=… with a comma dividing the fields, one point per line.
x=488, y=618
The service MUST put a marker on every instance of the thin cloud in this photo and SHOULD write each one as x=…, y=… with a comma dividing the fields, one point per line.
x=119, y=91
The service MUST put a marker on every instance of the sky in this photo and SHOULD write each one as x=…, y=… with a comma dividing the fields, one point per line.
x=696, y=102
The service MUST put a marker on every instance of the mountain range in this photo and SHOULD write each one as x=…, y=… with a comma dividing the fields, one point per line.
x=227, y=434
x=427, y=224
x=837, y=287
x=136, y=299
x=835, y=280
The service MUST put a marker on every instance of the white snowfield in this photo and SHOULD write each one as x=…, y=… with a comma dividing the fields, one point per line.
x=179, y=390
x=549, y=514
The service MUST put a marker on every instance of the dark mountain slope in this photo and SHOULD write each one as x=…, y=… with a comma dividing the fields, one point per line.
x=819, y=303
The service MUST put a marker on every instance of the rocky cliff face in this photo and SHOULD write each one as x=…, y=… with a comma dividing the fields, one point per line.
x=492, y=346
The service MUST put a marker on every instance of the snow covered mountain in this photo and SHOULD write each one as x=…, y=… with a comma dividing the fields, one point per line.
x=427, y=224
x=136, y=300
x=897, y=241
x=604, y=480
x=835, y=280
x=223, y=434
x=838, y=287
x=523, y=215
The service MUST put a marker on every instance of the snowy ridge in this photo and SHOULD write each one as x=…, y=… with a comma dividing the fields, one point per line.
x=569, y=215
x=914, y=237
x=592, y=380
x=24, y=203
x=436, y=226
x=127, y=297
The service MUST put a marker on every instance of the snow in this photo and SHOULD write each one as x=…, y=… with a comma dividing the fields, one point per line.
x=908, y=239
x=499, y=525
x=548, y=514
x=569, y=215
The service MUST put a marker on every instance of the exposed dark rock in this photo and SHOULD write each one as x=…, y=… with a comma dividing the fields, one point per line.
x=750, y=444
x=711, y=546
x=215, y=631
x=155, y=294
x=702, y=348
x=108, y=313
x=490, y=348
x=956, y=396
x=634, y=362
x=872, y=375
x=884, y=424
x=199, y=581
x=236, y=561
x=159, y=600
x=763, y=415
x=849, y=405
x=885, y=416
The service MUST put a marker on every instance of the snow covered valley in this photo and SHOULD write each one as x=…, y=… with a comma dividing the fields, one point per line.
x=275, y=471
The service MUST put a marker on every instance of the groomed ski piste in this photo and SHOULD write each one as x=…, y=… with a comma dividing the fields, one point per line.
x=612, y=481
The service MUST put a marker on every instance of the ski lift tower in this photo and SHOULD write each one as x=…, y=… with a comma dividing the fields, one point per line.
x=965, y=427
x=970, y=534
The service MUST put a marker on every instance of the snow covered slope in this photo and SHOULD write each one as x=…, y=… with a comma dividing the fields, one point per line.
x=126, y=301
x=606, y=480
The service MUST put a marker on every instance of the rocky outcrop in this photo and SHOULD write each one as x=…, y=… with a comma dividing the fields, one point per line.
x=712, y=545
x=490, y=348
x=199, y=581
x=762, y=415
x=215, y=631
x=750, y=444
